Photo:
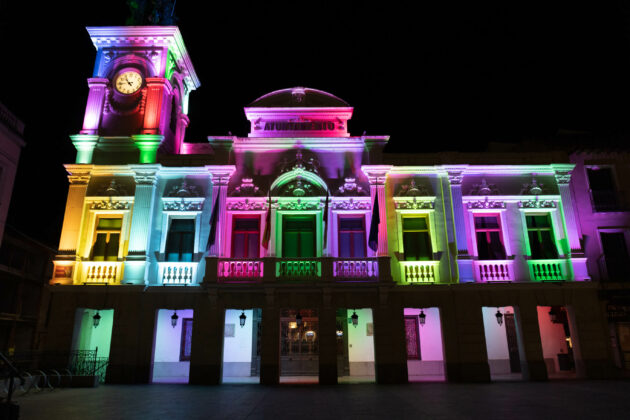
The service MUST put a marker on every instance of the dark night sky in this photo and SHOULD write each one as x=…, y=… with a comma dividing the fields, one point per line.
x=440, y=76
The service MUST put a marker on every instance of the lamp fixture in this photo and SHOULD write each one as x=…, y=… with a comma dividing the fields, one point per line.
x=174, y=319
x=355, y=318
x=242, y=318
x=96, y=319
x=499, y=316
x=422, y=318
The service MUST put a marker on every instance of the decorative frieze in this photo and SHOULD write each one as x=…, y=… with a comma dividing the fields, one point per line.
x=110, y=205
x=298, y=205
x=351, y=204
x=415, y=203
x=246, y=204
x=486, y=204
x=182, y=203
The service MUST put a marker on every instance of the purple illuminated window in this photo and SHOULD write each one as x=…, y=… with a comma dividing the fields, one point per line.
x=489, y=238
x=351, y=237
x=246, y=237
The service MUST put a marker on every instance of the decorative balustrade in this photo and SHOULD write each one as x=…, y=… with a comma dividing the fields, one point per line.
x=177, y=272
x=101, y=272
x=548, y=270
x=365, y=268
x=495, y=270
x=420, y=271
x=298, y=268
x=242, y=270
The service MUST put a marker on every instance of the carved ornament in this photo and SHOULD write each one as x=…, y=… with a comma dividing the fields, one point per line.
x=299, y=205
x=112, y=189
x=537, y=204
x=350, y=187
x=183, y=204
x=563, y=177
x=426, y=203
x=486, y=204
x=311, y=165
x=110, y=205
x=245, y=204
x=484, y=189
x=533, y=188
x=455, y=177
x=246, y=189
x=184, y=190
x=412, y=190
x=351, y=204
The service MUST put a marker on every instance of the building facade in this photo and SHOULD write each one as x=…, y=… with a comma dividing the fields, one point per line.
x=302, y=252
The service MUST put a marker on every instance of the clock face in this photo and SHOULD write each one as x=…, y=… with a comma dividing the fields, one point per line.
x=128, y=82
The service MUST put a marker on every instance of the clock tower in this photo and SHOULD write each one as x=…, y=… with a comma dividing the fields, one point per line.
x=138, y=98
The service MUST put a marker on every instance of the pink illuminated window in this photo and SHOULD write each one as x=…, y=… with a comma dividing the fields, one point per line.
x=489, y=237
x=351, y=237
x=246, y=237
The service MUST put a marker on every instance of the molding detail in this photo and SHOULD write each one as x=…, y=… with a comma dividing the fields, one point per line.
x=145, y=177
x=412, y=190
x=311, y=165
x=80, y=178
x=182, y=203
x=246, y=189
x=350, y=204
x=563, y=177
x=298, y=205
x=485, y=204
x=110, y=205
x=484, y=189
x=350, y=187
x=537, y=204
x=246, y=204
x=534, y=188
x=455, y=177
x=414, y=203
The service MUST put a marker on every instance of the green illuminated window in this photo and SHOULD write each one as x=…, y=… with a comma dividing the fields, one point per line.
x=416, y=239
x=107, y=239
x=180, y=242
x=298, y=236
x=541, y=240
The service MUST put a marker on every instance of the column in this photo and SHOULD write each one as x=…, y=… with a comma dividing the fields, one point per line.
x=137, y=260
x=85, y=144
x=270, y=343
x=220, y=177
x=463, y=263
x=390, y=345
x=529, y=342
x=207, y=343
x=94, y=107
x=158, y=91
x=464, y=343
x=377, y=176
x=327, y=344
x=79, y=177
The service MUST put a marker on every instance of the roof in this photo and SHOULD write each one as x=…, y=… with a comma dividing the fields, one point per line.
x=298, y=97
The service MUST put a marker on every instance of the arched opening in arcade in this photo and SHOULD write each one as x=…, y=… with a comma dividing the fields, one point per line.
x=172, y=346
x=503, y=343
x=91, y=342
x=355, y=345
x=559, y=345
x=425, y=350
x=299, y=346
x=241, y=346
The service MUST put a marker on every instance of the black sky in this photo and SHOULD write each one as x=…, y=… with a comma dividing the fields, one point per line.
x=436, y=76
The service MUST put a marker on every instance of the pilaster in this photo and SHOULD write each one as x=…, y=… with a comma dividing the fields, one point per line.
x=85, y=144
x=148, y=145
x=142, y=218
x=377, y=176
x=270, y=345
x=463, y=264
x=158, y=89
x=220, y=178
x=563, y=178
x=94, y=107
x=529, y=342
x=207, y=342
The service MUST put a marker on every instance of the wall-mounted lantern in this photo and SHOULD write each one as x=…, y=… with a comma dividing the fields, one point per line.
x=96, y=319
x=174, y=319
x=355, y=318
x=499, y=316
x=242, y=319
x=422, y=318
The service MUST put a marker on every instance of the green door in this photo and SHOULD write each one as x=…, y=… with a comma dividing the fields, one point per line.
x=298, y=236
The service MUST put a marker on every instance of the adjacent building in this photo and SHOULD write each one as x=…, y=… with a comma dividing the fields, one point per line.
x=304, y=253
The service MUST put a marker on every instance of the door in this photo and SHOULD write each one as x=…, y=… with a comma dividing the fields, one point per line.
x=412, y=334
x=299, y=344
x=510, y=331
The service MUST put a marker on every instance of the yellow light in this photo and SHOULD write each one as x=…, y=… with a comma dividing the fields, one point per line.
x=293, y=325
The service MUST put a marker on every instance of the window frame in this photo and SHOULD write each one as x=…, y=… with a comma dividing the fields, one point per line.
x=615, y=190
x=317, y=232
x=167, y=217
x=365, y=233
x=87, y=241
x=555, y=230
x=429, y=215
x=501, y=229
x=234, y=218
x=180, y=251
x=108, y=233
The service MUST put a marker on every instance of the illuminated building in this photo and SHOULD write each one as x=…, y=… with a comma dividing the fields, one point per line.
x=261, y=258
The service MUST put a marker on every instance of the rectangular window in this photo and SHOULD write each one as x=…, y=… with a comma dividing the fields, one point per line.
x=186, y=340
x=246, y=237
x=107, y=239
x=541, y=238
x=351, y=237
x=416, y=239
x=602, y=188
x=615, y=256
x=298, y=236
x=489, y=238
x=180, y=242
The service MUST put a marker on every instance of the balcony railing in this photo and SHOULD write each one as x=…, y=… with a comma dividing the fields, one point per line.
x=495, y=270
x=177, y=273
x=420, y=271
x=240, y=270
x=359, y=269
x=548, y=270
x=101, y=272
x=301, y=268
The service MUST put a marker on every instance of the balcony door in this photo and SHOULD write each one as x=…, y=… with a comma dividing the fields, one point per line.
x=298, y=236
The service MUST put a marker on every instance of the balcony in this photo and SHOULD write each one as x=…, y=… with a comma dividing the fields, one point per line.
x=177, y=273
x=548, y=270
x=101, y=272
x=356, y=269
x=494, y=271
x=298, y=268
x=240, y=271
x=420, y=271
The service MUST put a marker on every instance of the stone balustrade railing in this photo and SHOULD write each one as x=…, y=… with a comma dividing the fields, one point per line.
x=420, y=271
x=494, y=270
x=240, y=270
x=177, y=273
x=101, y=272
x=548, y=270
x=355, y=269
x=299, y=268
